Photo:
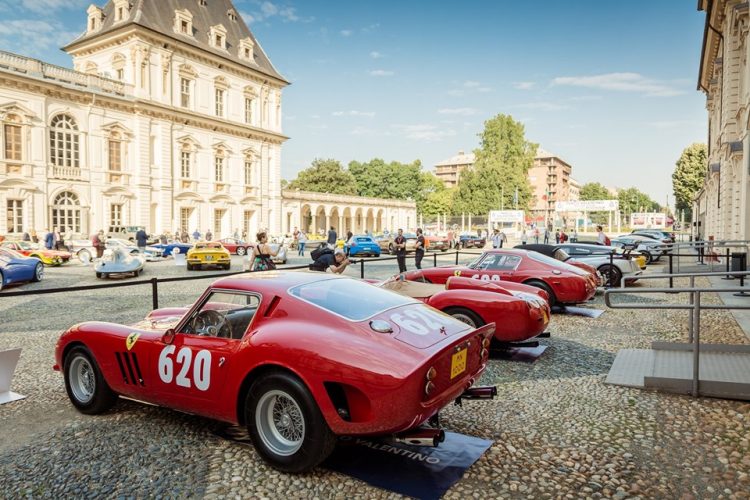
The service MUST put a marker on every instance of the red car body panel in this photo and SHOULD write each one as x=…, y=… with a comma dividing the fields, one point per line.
x=232, y=245
x=383, y=375
x=569, y=284
x=47, y=254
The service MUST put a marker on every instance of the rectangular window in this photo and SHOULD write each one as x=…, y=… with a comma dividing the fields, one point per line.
x=219, y=164
x=248, y=110
x=184, y=27
x=219, y=102
x=219, y=41
x=218, y=219
x=115, y=155
x=248, y=173
x=165, y=82
x=185, y=93
x=247, y=218
x=185, y=164
x=12, y=135
x=144, y=75
x=115, y=215
x=14, y=217
x=185, y=214
x=120, y=74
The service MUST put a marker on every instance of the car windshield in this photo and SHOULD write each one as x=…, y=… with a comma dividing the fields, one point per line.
x=11, y=253
x=560, y=255
x=556, y=263
x=354, y=300
x=410, y=236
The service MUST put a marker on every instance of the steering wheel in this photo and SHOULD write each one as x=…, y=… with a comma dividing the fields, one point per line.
x=211, y=323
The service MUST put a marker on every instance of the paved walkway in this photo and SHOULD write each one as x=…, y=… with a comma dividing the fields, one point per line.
x=742, y=316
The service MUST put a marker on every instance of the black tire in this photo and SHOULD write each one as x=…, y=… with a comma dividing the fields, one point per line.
x=80, y=369
x=465, y=316
x=136, y=273
x=316, y=441
x=241, y=251
x=544, y=286
x=649, y=259
x=2, y=281
x=82, y=253
x=190, y=267
x=38, y=272
x=614, y=279
x=226, y=267
x=98, y=275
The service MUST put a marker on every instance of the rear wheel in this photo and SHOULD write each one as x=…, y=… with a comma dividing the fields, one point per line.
x=2, y=281
x=612, y=275
x=465, y=316
x=84, y=383
x=544, y=286
x=286, y=424
x=38, y=272
x=84, y=256
x=241, y=251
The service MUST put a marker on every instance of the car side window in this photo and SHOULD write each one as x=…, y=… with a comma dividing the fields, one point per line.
x=224, y=315
x=500, y=262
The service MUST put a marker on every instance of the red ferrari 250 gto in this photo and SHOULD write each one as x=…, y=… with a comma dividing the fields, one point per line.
x=563, y=283
x=297, y=358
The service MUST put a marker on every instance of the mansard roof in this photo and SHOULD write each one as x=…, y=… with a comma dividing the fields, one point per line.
x=158, y=15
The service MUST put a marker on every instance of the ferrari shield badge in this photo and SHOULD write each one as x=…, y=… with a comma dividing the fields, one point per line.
x=457, y=273
x=131, y=340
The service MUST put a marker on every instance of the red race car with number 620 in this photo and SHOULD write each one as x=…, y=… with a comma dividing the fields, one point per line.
x=296, y=357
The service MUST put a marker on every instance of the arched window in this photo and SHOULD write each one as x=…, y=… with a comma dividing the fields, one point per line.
x=63, y=138
x=66, y=198
x=66, y=212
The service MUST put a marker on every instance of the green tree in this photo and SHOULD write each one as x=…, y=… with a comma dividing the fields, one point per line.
x=438, y=203
x=325, y=176
x=500, y=170
x=594, y=191
x=633, y=200
x=688, y=176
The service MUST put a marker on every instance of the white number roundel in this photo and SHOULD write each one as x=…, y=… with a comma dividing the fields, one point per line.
x=184, y=358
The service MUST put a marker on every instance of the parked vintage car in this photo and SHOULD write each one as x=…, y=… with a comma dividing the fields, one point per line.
x=517, y=316
x=127, y=245
x=208, y=254
x=17, y=268
x=118, y=261
x=235, y=246
x=362, y=244
x=650, y=249
x=290, y=356
x=470, y=240
x=48, y=257
x=626, y=266
x=82, y=249
x=127, y=233
x=436, y=242
x=385, y=242
x=167, y=249
x=563, y=283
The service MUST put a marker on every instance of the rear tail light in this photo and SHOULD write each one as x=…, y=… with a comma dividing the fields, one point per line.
x=428, y=388
x=431, y=373
x=486, y=342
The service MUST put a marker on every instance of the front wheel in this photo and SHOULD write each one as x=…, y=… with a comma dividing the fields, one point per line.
x=544, y=286
x=611, y=274
x=465, y=316
x=241, y=251
x=84, y=256
x=286, y=424
x=84, y=383
x=38, y=272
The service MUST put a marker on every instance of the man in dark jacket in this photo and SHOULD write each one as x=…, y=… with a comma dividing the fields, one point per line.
x=141, y=238
x=419, y=251
x=400, y=243
x=332, y=236
x=49, y=240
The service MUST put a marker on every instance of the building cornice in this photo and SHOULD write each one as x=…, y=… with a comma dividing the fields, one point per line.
x=308, y=196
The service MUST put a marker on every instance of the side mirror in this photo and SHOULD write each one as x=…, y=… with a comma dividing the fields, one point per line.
x=168, y=336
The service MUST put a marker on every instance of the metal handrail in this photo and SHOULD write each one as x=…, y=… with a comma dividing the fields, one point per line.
x=695, y=316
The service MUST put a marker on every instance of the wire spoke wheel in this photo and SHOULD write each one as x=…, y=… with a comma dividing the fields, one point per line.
x=464, y=318
x=280, y=423
x=82, y=379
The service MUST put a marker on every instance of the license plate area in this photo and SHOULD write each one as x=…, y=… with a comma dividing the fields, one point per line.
x=209, y=257
x=458, y=362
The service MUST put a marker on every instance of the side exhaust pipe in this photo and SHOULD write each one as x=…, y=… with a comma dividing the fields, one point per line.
x=423, y=436
x=488, y=392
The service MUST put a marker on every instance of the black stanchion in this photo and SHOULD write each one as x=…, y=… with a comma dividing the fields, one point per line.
x=743, y=266
x=671, y=270
x=611, y=269
x=155, y=293
x=728, y=276
x=362, y=268
x=456, y=255
x=434, y=260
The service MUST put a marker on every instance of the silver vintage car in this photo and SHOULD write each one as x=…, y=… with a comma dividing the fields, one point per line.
x=118, y=261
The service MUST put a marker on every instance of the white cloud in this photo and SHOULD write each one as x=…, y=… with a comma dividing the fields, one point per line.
x=346, y=33
x=622, y=82
x=358, y=130
x=456, y=93
x=269, y=10
x=583, y=98
x=424, y=132
x=371, y=28
x=542, y=105
x=376, y=55
x=354, y=112
x=48, y=6
x=381, y=72
x=471, y=84
x=33, y=37
x=458, y=111
x=483, y=89
x=523, y=85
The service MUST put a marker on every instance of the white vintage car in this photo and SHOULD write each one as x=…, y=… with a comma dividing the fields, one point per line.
x=598, y=256
x=118, y=261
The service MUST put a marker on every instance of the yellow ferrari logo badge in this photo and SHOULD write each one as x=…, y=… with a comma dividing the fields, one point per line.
x=131, y=340
x=457, y=273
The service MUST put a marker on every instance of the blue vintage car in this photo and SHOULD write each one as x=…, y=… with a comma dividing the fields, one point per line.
x=15, y=268
x=165, y=250
x=363, y=245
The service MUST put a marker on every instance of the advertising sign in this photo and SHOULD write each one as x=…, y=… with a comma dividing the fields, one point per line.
x=500, y=216
x=648, y=220
x=587, y=206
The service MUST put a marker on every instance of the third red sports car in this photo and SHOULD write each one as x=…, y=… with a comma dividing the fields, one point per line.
x=564, y=284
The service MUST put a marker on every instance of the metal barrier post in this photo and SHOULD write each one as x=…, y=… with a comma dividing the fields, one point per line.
x=362, y=268
x=743, y=267
x=456, y=255
x=434, y=260
x=696, y=344
x=692, y=315
x=728, y=276
x=671, y=267
x=155, y=293
x=611, y=269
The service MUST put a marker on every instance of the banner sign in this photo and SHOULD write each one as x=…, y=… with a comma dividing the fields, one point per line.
x=587, y=206
x=415, y=471
x=506, y=216
x=648, y=220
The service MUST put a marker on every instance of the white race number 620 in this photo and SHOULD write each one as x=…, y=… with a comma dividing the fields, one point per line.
x=201, y=367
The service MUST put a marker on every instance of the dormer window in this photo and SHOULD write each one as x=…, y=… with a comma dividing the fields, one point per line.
x=218, y=36
x=183, y=22
x=122, y=10
x=96, y=15
x=232, y=15
x=246, y=49
x=202, y=3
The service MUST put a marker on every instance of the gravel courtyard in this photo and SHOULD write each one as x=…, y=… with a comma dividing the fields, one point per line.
x=558, y=430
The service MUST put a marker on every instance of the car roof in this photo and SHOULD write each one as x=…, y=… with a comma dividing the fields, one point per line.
x=538, y=247
x=276, y=281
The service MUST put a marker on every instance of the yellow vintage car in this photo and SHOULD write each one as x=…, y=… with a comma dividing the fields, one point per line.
x=208, y=253
x=48, y=257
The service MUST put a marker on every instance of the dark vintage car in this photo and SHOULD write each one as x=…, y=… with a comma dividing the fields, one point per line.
x=468, y=240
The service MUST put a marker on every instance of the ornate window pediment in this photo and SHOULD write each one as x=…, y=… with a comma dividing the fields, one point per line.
x=251, y=153
x=187, y=71
x=18, y=110
x=221, y=149
x=221, y=83
x=217, y=36
x=183, y=22
x=118, y=131
x=250, y=92
x=122, y=10
x=247, y=49
x=95, y=19
x=188, y=143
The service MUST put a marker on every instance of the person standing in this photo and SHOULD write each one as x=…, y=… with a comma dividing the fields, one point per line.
x=496, y=239
x=34, y=236
x=69, y=238
x=301, y=240
x=400, y=243
x=546, y=235
x=332, y=237
x=557, y=236
x=99, y=243
x=209, y=235
x=56, y=238
x=524, y=236
x=602, y=238
x=263, y=254
x=196, y=235
x=49, y=239
x=563, y=236
x=141, y=238
x=536, y=235
x=236, y=234
x=574, y=236
x=418, y=250
x=26, y=237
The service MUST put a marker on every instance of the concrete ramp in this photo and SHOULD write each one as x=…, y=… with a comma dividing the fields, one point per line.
x=724, y=370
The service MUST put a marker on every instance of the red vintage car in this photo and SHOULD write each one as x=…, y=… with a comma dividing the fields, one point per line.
x=298, y=358
x=235, y=246
x=48, y=257
x=563, y=283
x=518, y=315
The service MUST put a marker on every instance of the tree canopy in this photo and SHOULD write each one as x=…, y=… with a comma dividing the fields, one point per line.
x=633, y=200
x=325, y=176
x=594, y=191
x=501, y=167
x=688, y=176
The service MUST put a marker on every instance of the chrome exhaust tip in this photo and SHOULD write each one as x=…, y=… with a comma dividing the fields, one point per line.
x=488, y=392
x=423, y=436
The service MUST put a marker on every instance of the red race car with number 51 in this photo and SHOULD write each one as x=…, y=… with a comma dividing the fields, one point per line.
x=298, y=358
x=564, y=284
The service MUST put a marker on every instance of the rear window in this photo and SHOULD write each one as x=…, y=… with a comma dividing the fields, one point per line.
x=352, y=299
x=364, y=239
x=556, y=263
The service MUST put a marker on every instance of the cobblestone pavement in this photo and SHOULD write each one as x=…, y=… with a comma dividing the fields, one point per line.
x=559, y=431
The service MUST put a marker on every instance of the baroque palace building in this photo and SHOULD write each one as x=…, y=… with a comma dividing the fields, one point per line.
x=721, y=207
x=171, y=119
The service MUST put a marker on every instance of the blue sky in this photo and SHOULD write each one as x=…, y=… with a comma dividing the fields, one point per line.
x=608, y=86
